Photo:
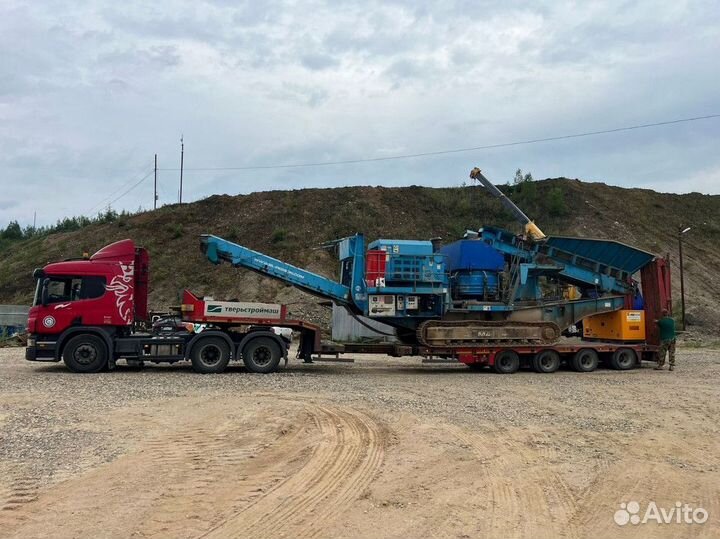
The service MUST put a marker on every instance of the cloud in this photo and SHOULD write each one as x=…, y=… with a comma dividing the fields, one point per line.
x=705, y=180
x=406, y=69
x=7, y=204
x=317, y=61
x=90, y=92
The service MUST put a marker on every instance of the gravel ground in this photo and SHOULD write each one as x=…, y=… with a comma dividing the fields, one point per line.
x=595, y=438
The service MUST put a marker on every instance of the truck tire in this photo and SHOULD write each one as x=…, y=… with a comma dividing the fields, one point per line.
x=85, y=353
x=546, y=361
x=623, y=359
x=506, y=362
x=261, y=355
x=210, y=355
x=585, y=360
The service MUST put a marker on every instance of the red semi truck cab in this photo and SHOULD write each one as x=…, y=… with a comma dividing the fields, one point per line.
x=90, y=312
x=109, y=289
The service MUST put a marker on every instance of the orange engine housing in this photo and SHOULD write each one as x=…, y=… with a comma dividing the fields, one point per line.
x=622, y=325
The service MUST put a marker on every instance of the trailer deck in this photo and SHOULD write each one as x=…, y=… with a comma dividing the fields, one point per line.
x=484, y=355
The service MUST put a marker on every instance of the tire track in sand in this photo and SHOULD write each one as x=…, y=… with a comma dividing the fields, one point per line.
x=169, y=486
x=347, y=453
x=205, y=465
x=538, y=499
x=19, y=488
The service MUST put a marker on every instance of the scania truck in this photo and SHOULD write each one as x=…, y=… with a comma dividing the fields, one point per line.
x=92, y=311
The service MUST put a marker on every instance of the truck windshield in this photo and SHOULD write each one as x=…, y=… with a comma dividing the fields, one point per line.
x=62, y=289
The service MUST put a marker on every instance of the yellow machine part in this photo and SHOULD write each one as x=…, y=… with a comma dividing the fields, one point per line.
x=534, y=231
x=572, y=292
x=622, y=325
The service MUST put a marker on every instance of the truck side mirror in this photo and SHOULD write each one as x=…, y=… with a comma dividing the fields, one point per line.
x=44, y=293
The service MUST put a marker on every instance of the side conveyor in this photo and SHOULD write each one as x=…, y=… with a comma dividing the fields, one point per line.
x=218, y=250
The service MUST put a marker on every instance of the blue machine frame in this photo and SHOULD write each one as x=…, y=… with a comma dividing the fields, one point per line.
x=420, y=280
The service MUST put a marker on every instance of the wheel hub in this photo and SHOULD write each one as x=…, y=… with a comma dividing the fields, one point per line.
x=85, y=354
x=210, y=355
x=262, y=356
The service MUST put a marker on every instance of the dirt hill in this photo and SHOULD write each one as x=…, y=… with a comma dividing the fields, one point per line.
x=291, y=224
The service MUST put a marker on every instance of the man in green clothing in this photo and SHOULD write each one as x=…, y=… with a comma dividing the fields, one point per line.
x=667, y=340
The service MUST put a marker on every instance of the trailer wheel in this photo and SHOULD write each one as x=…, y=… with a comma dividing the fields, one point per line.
x=546, y=361
x=623, y=359
x=585, y=360
x=210, y=355
x=85, y=353
x=506, y=362
x=261, y=355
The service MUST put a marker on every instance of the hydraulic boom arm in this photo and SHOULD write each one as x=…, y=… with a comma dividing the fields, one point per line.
x=530, y=227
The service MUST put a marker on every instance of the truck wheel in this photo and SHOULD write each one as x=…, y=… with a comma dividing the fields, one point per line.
x=506, y=362
x=546, y=361
x=85, y=353
x=585, y=360
x=210, y=355
x=261, y=355
x=623, y=359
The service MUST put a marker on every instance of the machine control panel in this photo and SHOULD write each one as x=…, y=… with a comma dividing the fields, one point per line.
x=381, y=305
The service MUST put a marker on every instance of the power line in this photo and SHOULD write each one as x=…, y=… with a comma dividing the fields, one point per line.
x=445, y=152
x=107, y=197
x=133, y=187
x=125, y=193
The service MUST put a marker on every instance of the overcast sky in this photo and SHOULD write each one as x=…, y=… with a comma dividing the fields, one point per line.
x=89, y=91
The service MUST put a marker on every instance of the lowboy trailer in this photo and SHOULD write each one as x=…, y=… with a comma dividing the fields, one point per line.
x=578, y=355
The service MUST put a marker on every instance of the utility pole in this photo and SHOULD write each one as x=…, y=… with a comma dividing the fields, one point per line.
x=681, y=231
x=34, y=219
x=155, y=195
x=182, y=155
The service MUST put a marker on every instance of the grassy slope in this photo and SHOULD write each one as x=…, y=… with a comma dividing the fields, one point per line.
x=289, y=224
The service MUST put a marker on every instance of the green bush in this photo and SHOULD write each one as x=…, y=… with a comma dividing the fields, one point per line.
x=233, y=234
x=176, y=230
x=523, y=189
x=12, y=231
x=556, y=202
x=278, y=235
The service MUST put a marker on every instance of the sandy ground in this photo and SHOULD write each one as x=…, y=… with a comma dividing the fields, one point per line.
x=379, y=448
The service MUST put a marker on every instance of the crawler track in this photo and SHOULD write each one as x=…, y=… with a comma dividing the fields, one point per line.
x=463, y=333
